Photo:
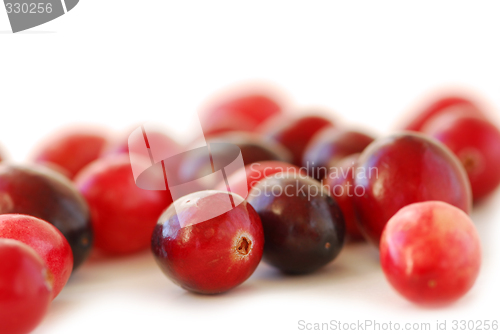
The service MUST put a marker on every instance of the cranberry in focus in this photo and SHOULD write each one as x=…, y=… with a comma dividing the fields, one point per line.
x=402, y=169
x=430, y=252
x=25, y=288
x=476, y=143
x=330, y=145
x=208, y=256
x=40, y=192
x=45, y=240
x=303, y=226
x=123, y=215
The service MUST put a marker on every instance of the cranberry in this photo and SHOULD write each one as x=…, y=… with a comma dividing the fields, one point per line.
x=402, y=169
x=242, y=181
x=25, y=288
x=203, y=250
x=303, y=226
x=123, y=215
x=45, y=194
x=240, y=113
x=72, y=149
x=476, y=143
x=430, y=252
x=294, y=133
x=328, y=146
x=340, y=181
x=196, y=164
x=444, y=104
x=46, y=240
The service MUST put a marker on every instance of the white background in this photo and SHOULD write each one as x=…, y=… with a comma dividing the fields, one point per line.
x=117, y=63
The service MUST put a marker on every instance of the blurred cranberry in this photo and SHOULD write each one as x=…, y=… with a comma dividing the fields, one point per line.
x=476, y=143
x=402, y=169
x=123, y=215
x=294, y=133
x=340, y=181
x=444, y=104
x=330, y=145
x=241, y=113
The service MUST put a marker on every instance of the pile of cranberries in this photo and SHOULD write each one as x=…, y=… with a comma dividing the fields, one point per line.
x=310, y=184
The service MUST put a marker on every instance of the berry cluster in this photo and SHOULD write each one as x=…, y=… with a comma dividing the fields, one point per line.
x=309, y=186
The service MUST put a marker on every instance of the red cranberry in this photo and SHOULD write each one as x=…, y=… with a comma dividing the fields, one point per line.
x=72, y=149
x=45, y=194
x=340, y=181
x=476, y=143
x=46, y=240
x=253, y=148
x=294, y=133
x=330, y=145
x=430, y=252
x=25, y=288
x=402, y=169
x=444, y=104
x=123, y=215
x=241, y=113
x=206, y=251
x=303, y=226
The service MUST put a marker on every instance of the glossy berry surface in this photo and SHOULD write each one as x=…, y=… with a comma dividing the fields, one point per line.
x=208, y=255
x=430, y=253
x=72, y=149
x=402, y=169
x=45, y=194
x=303, y=226
x=445, y=104
x=241, y=113
x=330, y=145
x=123, y=215
x=476, y=143
x=25, y=288
x=340, y=182
x=294, y=133
x=45, y=240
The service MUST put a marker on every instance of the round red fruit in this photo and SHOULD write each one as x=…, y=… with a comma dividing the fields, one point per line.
x=25, y=288
x=430, y=252
x=206, y=245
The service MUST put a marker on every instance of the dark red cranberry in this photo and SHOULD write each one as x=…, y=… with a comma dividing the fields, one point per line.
x=402, y=169
x=444, y=104
x=45, y=194
x=72, y=149
x=25, y=288
x=253, y=148
x=294, y=133
x=476, y=143
x=340, y=182
x=330, y=145
x=303, y=226
x=240, y=113
x=123, y=215
x=205, y=245
x=430, y=253
x=46, y=240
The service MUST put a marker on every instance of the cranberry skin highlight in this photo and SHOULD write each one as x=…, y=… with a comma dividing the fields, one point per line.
x=430, y=253
x=123, y=215
x=402, y=169
x=25, y=288
x=304, y=230
x=330, y=145
x=48, y=195
x=476, y=143
x=210, y=256
x=45, y=240
x=72, y=149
